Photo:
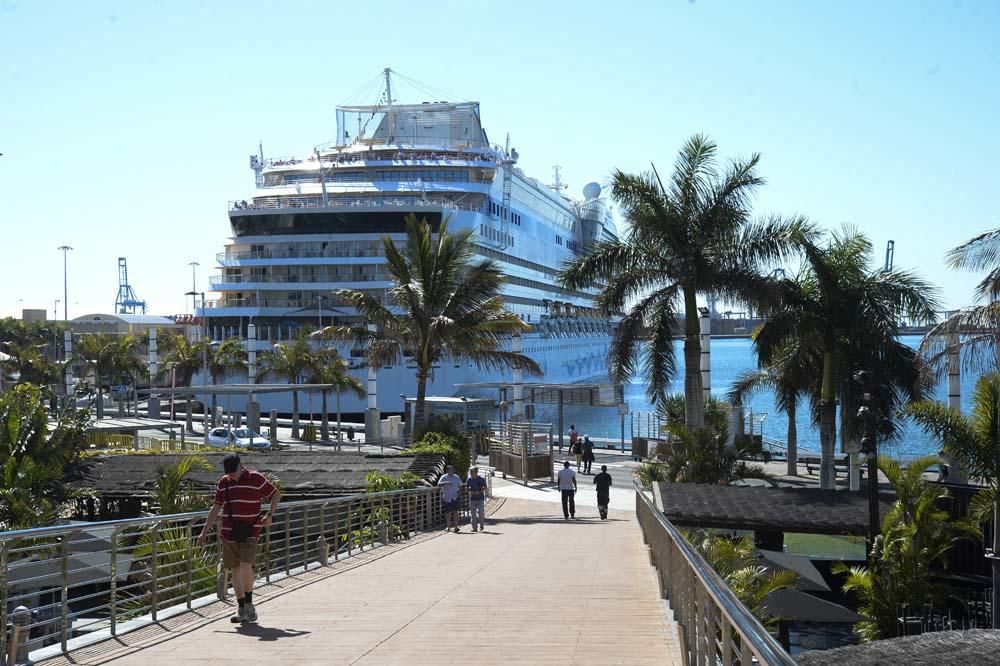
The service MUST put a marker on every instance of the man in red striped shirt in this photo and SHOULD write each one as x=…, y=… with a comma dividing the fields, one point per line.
x=238, y=496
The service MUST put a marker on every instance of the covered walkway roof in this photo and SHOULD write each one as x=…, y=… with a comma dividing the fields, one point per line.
x=808, y=510
x=596, y=395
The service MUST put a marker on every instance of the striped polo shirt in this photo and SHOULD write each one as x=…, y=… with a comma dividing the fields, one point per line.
x=244, y=501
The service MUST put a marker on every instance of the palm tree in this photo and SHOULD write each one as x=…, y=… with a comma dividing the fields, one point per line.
x=109, y=357
x=841, y=311
x=915, y=535
x=173, y=489
x=975, y=442
x=790, y=377
x=184, y=359
x=443, y=306
x=976, y=328
x=221, y=359
x=291, y=360
x=692, y=236
x=333, y=371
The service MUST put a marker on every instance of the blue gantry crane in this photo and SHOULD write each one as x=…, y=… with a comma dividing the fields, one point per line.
x=127, y=302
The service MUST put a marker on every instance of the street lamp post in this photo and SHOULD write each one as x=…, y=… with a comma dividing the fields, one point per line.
x=869, y=446
x=65, y=250
x=204, y=357
x=194, y=284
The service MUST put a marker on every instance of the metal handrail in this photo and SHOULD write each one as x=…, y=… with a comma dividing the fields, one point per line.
x=146, y=568
x=363, y=201
x=715, y=627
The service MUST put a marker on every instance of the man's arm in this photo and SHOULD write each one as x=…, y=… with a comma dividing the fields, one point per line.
x=275, y=497
x=574, y=483
x=213, y=515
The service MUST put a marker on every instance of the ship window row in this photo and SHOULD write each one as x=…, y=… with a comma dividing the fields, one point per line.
x=408, y=175
x=495, y=235
x=544, y=286
x=353, y=248
x=346, y=273
x=496, y=210
x=291, y=299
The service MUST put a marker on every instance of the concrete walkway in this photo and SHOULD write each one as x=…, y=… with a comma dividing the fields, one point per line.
x=532, y=589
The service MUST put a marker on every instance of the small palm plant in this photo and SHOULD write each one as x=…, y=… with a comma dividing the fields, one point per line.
x=915, y=535
x=734, y=561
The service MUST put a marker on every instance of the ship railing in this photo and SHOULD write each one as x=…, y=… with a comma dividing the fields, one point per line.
x=714, y=626
x=298, y=254
x=216, y=280
x=351, y=202
x=70, y=585
x=386, y=156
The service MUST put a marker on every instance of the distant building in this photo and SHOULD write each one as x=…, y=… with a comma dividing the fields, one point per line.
x=122, y=324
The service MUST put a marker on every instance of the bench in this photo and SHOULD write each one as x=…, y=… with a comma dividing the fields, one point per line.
x=813, y=463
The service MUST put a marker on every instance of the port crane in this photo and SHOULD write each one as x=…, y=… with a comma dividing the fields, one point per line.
x=126, y=302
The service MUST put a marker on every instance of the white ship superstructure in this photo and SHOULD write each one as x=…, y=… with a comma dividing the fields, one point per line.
x=315, y=224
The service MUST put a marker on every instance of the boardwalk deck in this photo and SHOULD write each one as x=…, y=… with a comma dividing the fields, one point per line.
x=532, y=589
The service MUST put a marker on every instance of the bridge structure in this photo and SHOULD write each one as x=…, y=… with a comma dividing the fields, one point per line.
x=373, y=579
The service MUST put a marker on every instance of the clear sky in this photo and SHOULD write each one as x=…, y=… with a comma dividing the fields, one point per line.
x=126, y=126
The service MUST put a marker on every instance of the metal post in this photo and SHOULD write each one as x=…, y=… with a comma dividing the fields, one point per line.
x=154, y=569
x=560, y=420
x=113, y=593
x=705, y=324
x=3, y=597
x=288, y=545
x=518, y=412
x=305, y=538
x=65, y=249
x=64, y=598
x=189, y=583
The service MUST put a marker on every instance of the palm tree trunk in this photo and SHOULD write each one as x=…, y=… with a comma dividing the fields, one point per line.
x=827, y=426
x=295, y=414
x=325, y=425
x=189, y=419
x=339, y=436
x=792, y=441
x=418, y=411
x=694, y=397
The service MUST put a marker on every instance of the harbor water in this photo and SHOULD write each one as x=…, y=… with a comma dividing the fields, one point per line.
x=731, y=357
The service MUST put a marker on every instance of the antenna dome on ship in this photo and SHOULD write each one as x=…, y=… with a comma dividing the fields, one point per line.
x=591, y=191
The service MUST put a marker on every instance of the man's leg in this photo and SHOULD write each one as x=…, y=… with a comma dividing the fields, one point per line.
x=572, y=503
x=481, y=508
x=565, y=503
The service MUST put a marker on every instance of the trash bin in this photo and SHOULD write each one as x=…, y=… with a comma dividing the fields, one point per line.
x=350, y=433
x=309, y=432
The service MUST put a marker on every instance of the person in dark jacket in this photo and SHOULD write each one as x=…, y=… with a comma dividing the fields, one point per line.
x=603, y=483
x=588, y=454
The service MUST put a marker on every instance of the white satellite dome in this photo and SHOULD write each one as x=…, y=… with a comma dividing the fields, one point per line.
x=591, y=191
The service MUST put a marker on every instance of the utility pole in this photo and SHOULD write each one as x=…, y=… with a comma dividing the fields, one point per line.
x=65, y=250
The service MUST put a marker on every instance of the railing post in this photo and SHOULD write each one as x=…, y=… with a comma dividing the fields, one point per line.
x=336, y=532
x=113, y=592
x=3, y=597
x=189, y=593
x=267, y=552
x=305, y=538
x=64, y=601
x=288, y=541
x=727, y=642
x=322, y=545
x=154, y=566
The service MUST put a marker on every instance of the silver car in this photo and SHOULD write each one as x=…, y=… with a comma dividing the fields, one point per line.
x=240, y=437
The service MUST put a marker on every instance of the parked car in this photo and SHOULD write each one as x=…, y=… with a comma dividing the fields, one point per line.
x=241, y=437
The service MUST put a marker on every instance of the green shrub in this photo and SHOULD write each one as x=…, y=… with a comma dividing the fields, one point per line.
x=456, y=449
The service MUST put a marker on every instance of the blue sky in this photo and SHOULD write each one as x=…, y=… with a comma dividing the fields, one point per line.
x=126, y=126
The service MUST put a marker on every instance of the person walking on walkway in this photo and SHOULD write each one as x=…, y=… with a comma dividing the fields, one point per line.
x=238, y=495
x=576, y=448
x=567, y=488
x=603, y=483
x=588, y=454
x=451, y=485
x=573, y=436
x=477, y=498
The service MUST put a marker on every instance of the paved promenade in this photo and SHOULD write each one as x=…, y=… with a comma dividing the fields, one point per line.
x=532, y=589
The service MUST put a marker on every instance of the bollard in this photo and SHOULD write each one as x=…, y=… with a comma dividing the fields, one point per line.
x=324, y=551
x=20, y=618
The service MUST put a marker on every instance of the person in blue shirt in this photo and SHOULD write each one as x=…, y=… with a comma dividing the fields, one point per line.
x=477, y=498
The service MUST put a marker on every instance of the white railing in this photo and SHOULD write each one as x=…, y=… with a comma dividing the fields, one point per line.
x=352, y=202
x=268, y=253
x=59, y=584
x=216, y=280
x=715, y=627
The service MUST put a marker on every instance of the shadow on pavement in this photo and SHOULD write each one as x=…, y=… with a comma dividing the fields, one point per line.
x=262, y=633
x=542, y=520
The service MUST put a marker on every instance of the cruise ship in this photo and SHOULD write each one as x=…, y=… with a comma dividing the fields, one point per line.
x=315, y=224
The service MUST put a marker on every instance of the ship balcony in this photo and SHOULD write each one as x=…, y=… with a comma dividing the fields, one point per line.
x=330, y=255
x=276, y=282
x=351, y=203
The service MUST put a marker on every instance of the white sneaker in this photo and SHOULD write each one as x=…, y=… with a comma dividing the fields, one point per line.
x=249, y=613
x=238, y=616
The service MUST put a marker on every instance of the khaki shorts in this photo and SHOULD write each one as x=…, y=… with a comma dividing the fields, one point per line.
x=234, y=554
